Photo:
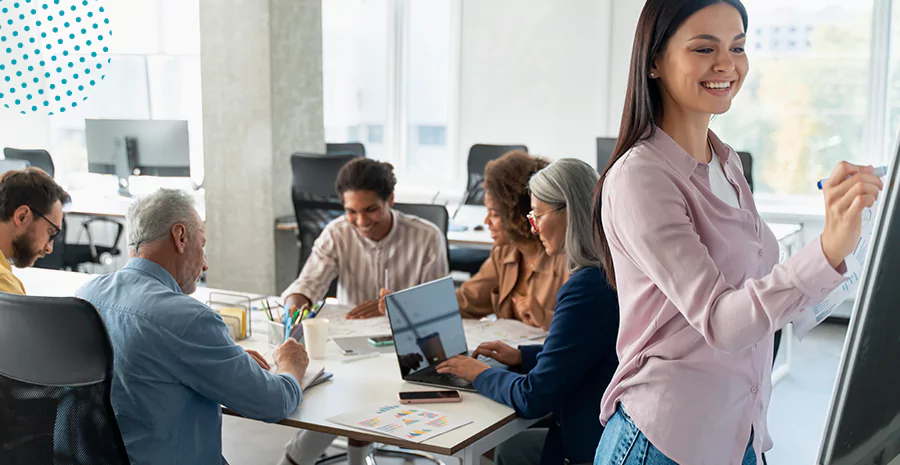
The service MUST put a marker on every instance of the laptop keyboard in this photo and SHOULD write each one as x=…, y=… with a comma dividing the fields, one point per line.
x=491, y=362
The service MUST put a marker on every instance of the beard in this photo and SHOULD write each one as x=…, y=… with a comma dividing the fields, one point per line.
x=24, y=252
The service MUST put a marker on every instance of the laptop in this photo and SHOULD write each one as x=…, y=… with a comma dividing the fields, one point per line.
x=428, y=329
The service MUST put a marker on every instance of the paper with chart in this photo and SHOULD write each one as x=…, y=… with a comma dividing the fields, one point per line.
x=402, y=422
x=810, y=317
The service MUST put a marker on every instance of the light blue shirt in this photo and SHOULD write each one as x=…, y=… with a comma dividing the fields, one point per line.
x=174, y=366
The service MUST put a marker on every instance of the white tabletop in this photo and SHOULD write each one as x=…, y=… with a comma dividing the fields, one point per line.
x=360, y=382
x=367, y=381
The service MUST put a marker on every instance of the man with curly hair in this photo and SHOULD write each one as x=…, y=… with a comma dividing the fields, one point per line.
x=519, y=280
x=368, y=240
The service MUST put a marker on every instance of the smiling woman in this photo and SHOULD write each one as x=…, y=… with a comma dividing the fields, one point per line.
x=694, y=264
x=519, y=280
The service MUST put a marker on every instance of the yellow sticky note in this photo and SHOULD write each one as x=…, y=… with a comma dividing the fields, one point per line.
x=236, y=313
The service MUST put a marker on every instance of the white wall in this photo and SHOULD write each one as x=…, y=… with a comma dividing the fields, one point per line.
x=625, y=15
x=535, y=72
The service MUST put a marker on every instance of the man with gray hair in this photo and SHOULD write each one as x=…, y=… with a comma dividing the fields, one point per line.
x=175, y=363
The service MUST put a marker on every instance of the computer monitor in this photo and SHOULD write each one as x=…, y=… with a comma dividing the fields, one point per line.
x=137, y=147
x=12, y=164
x=605, y=148
x=863, y=426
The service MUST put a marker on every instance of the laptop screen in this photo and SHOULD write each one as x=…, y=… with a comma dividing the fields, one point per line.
x=427, y=325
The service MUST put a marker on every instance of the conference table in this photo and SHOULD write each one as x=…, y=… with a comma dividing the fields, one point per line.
x=359, y=382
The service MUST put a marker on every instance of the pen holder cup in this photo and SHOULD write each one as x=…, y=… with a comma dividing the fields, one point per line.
x=276, y=333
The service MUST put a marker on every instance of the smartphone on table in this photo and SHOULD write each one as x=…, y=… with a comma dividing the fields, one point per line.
x=379, y=341
x=429, y=397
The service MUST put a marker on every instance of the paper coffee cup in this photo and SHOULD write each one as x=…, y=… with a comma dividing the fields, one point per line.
x=315, y=336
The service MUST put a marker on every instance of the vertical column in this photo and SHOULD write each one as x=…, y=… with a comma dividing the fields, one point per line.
x=261, y=64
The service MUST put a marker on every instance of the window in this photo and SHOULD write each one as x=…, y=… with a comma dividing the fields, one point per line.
x=893, y=97
x=355, y=47
x=801, y=110
x=154, y=74
x=388, y=72
x=376, y=133
x=432, y=135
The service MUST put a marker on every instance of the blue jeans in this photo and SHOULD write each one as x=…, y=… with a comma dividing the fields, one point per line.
x=623, y=443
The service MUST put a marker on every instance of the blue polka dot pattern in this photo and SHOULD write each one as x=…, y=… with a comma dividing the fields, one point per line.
x=79, y=28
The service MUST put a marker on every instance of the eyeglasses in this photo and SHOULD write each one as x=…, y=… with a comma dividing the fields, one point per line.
x=56, y=229
x=532, y=217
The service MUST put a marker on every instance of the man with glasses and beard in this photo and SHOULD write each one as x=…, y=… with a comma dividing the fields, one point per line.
x=31, y=215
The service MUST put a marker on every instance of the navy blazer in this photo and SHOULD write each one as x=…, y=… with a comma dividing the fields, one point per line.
x=569, y=373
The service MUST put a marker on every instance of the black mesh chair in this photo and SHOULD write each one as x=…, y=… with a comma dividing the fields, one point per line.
x=74, y=256
x=469, y=259
x=37, y=157
x=479, y=156
x=350, y=148
x=55, y=374
x=436, y=214
x=747, y=164
x=315, y=200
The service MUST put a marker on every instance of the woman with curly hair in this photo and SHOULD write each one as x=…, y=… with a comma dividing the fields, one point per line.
x=519, y=280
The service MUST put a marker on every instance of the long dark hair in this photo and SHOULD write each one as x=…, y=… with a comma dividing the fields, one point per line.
x=643, y=101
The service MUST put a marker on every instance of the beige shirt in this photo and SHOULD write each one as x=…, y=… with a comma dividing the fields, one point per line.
x=413, y=252
x=8, y=281
x=491, y=290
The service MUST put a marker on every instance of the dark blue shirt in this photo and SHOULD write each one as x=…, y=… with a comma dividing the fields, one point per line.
x=174, y=366
x=569, y=373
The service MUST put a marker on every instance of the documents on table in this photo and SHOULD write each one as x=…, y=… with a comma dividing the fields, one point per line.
x=401, y=421
x=314, y=371
x=810, y=317
x=512, y=332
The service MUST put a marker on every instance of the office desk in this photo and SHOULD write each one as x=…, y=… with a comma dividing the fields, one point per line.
x=365, y=381
x=91, y=203
x=96, y=205
x=358, y=383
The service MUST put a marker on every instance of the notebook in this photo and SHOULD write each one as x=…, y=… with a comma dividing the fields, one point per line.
x=313, y=372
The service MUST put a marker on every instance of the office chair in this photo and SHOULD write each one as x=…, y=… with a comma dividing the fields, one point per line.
x=315, y=201
x=747, y=164
x=74, y=256
x=56, y=365
x=436, y=214
x=350, y=148
x=37, y=157
x=469, y=259
x=479, y=156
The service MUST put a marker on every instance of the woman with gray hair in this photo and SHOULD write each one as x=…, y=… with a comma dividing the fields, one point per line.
x=566, y=376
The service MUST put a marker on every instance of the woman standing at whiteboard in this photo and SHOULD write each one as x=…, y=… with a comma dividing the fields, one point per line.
x=700, y=293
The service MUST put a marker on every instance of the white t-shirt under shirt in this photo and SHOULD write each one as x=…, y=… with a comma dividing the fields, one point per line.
x=720, y=184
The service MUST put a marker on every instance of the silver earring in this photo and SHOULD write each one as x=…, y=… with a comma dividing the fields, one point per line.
x=653, y=75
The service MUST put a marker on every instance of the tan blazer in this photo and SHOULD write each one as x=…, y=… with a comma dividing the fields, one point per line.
x=491, y=289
